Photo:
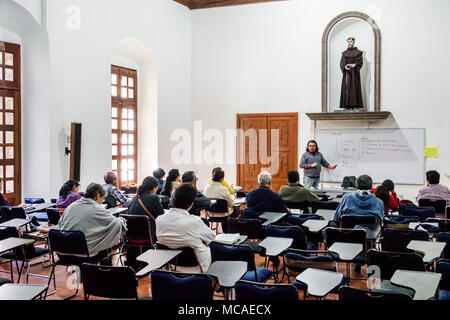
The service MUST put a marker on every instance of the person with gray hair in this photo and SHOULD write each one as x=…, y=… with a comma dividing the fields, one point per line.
x=263, y=199
x=361, y=202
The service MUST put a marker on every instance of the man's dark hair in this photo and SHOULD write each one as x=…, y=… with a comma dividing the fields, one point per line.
x=147, y=185
x=109, y=177
x=293, y=176
x=388, y=184
x=218, y=175
x=315, y=142
x=351, y=38
x=159, y=173
x=383, y=194
x=93, y=190
x=214, y=170
x=433, y=177
x=364, y=182
x=184, y=196
x=188, y=177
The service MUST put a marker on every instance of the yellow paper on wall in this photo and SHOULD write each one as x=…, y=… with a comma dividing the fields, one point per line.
x=431, y=152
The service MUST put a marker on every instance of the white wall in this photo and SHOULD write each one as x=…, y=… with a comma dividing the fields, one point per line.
x=267, y=58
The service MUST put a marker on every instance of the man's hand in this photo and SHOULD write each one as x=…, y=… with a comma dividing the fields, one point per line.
x=314, y=165
x=333, y=167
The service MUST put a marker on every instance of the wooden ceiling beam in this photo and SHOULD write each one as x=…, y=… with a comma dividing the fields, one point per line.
x=203, y=4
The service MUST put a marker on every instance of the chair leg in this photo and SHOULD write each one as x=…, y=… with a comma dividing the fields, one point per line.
x=27, y=272
x=11, y=270
x=20, y=272
x=52, y=273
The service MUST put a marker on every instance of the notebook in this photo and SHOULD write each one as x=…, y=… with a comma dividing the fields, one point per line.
x=228, y=238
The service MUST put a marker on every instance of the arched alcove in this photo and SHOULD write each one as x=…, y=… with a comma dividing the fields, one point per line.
x=19, y=26
x=376, y=54
x=136, y=54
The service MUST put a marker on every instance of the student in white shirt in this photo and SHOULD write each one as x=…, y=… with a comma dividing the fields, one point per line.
x=177, y=228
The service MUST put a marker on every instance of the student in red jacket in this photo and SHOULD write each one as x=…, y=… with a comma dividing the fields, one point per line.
x=391, y=202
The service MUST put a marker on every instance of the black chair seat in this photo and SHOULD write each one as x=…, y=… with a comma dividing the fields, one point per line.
x=4, y=281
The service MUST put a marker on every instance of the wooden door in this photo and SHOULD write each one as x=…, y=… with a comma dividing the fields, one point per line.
x=249, y=161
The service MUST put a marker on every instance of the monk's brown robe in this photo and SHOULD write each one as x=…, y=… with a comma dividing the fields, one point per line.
x=351, y=95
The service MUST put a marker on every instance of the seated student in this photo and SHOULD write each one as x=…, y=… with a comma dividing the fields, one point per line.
x=392, y=202
x=224, y=183
x=360, y=202
x=434, y=190
x=3, y=200
x=177, y=228
x=68, y=193
x=112, y=190
x=173, y=181
x=201, y=202
x=294, y=192
x=216, y=190
x=382, y=193
x=148, y=204
x=264, y=199
x=159, y=175
x=102, y=230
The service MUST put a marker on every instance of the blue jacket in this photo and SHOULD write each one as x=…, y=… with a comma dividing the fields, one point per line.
x=354, y=203
x=264, y=200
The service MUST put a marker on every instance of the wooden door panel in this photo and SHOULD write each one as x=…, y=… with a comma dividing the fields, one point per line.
x=287, y=126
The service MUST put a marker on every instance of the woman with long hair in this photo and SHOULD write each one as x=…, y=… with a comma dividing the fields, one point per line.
x=173, y=181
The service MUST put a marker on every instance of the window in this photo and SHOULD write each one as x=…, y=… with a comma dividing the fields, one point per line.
x=124, y=124
x=10, y=126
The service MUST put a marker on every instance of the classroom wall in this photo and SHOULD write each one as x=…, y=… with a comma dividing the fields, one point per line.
x=82, y=35
x=267, y=58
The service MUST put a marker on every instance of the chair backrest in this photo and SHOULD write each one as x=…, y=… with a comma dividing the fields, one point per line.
x=68, y=243
x=293, y=232
x=438, y=204
x=252, y=228
x=352, y=294
x=389, y=262
x=304, y=206
x=109, y=282
x=297, y=261
x=175, y=286
x=54, y=214
x=396, y=240
x=333, y=235
x=255, y=291
x=422, y=212
x=187, y=257
x=349, y=182
x=445, y=237
x=443, y=267
x=34, y=200
x=350, y=221
x=139, y=231
x=218, y=206
x=447, y=213
x=221, y=252
x=10, y=213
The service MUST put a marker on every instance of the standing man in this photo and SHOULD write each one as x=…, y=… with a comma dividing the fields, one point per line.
x=311, y=163
x=351, y=64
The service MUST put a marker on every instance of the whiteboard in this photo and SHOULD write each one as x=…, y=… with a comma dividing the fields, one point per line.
x=396, y=154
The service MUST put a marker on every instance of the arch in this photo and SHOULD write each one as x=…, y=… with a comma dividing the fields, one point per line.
x=136, y=54
x=377, y=66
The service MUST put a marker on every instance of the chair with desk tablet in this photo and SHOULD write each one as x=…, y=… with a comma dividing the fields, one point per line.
x=221, y=252
x=389, y=262
x=187, y=257
x=255, y=291
x=10, y=213
x=175, y=286
x=399, y=222
x=252, y=228
x=349, y=221
x=53, y=215
x=217, y=213
x=439, y=205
